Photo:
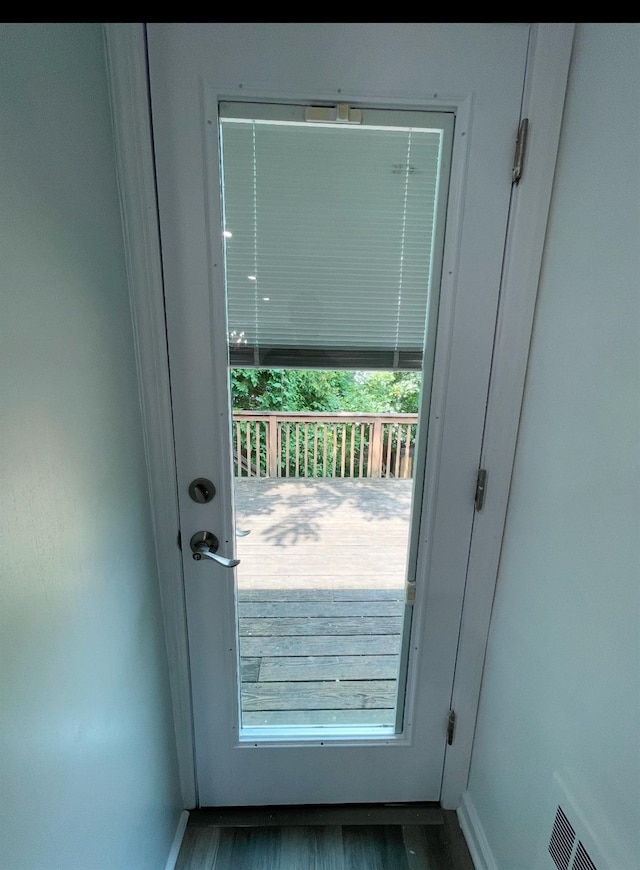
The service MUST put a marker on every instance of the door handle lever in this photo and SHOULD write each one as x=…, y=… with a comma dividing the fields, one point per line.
x=221, y=560
x=206, y=544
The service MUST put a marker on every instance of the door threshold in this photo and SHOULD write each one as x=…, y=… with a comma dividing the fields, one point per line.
x=428, y=813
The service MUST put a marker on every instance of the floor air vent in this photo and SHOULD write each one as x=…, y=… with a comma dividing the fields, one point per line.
x=563, y=839
x=575, y=833
x=582, y=861
x=567, y=854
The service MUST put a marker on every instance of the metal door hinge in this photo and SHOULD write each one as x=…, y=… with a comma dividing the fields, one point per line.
x=481, y=488
x=521, y=150
x=451, y=726
x=179, y=539
x=410, y=592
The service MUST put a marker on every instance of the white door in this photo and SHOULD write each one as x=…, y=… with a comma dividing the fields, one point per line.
x=473, y=75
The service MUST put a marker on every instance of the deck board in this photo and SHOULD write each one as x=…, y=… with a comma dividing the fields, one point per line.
x=319, y=695
x=331, y=609
x=308, y=668
x=250, y=669
x=305, y=645
x=321, y=599
x=326, y=594
x=339, y=625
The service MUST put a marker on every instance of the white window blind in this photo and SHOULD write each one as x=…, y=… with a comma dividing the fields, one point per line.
x=329, y=240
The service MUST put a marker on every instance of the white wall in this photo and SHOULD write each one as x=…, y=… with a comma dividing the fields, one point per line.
x=562, y=680
x=87, y=757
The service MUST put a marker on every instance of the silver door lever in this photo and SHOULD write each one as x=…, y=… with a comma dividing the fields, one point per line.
x=206, y=544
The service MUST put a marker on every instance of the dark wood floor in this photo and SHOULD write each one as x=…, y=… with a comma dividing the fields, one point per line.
x=321, y=599
x=438, y=846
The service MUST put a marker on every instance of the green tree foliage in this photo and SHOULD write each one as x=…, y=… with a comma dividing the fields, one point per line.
x=384, y=392
x=290, y=389
x=317, y=390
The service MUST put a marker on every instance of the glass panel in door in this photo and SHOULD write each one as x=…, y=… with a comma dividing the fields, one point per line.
x=333, y=233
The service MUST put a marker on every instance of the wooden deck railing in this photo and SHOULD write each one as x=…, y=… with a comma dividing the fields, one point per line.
x=287, y=444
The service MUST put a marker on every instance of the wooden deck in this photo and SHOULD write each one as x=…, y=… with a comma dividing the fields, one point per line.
x=321, y=590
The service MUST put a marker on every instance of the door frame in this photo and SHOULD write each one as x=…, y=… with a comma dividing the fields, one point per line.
x=545, y=87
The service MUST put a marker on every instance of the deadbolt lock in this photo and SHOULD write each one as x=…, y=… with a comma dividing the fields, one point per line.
x=201, y=490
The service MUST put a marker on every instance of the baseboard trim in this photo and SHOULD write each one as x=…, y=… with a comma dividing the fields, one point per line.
x=177, y=840
x=474, y=834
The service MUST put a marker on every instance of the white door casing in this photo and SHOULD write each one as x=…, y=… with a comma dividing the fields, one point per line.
x=191, y=241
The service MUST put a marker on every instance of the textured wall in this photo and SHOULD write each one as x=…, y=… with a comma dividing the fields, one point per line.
x=87, y=761
x=562, y=680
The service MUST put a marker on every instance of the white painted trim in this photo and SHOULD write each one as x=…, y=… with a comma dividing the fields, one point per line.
x=545, y=87
x=474, y=834
x=127, y=72
x=177, y=841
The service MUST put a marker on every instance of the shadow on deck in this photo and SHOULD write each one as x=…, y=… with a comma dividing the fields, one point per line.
x=321, y=599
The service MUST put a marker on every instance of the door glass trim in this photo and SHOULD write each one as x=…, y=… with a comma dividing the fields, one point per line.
x=293, y=734
x=383, y=119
